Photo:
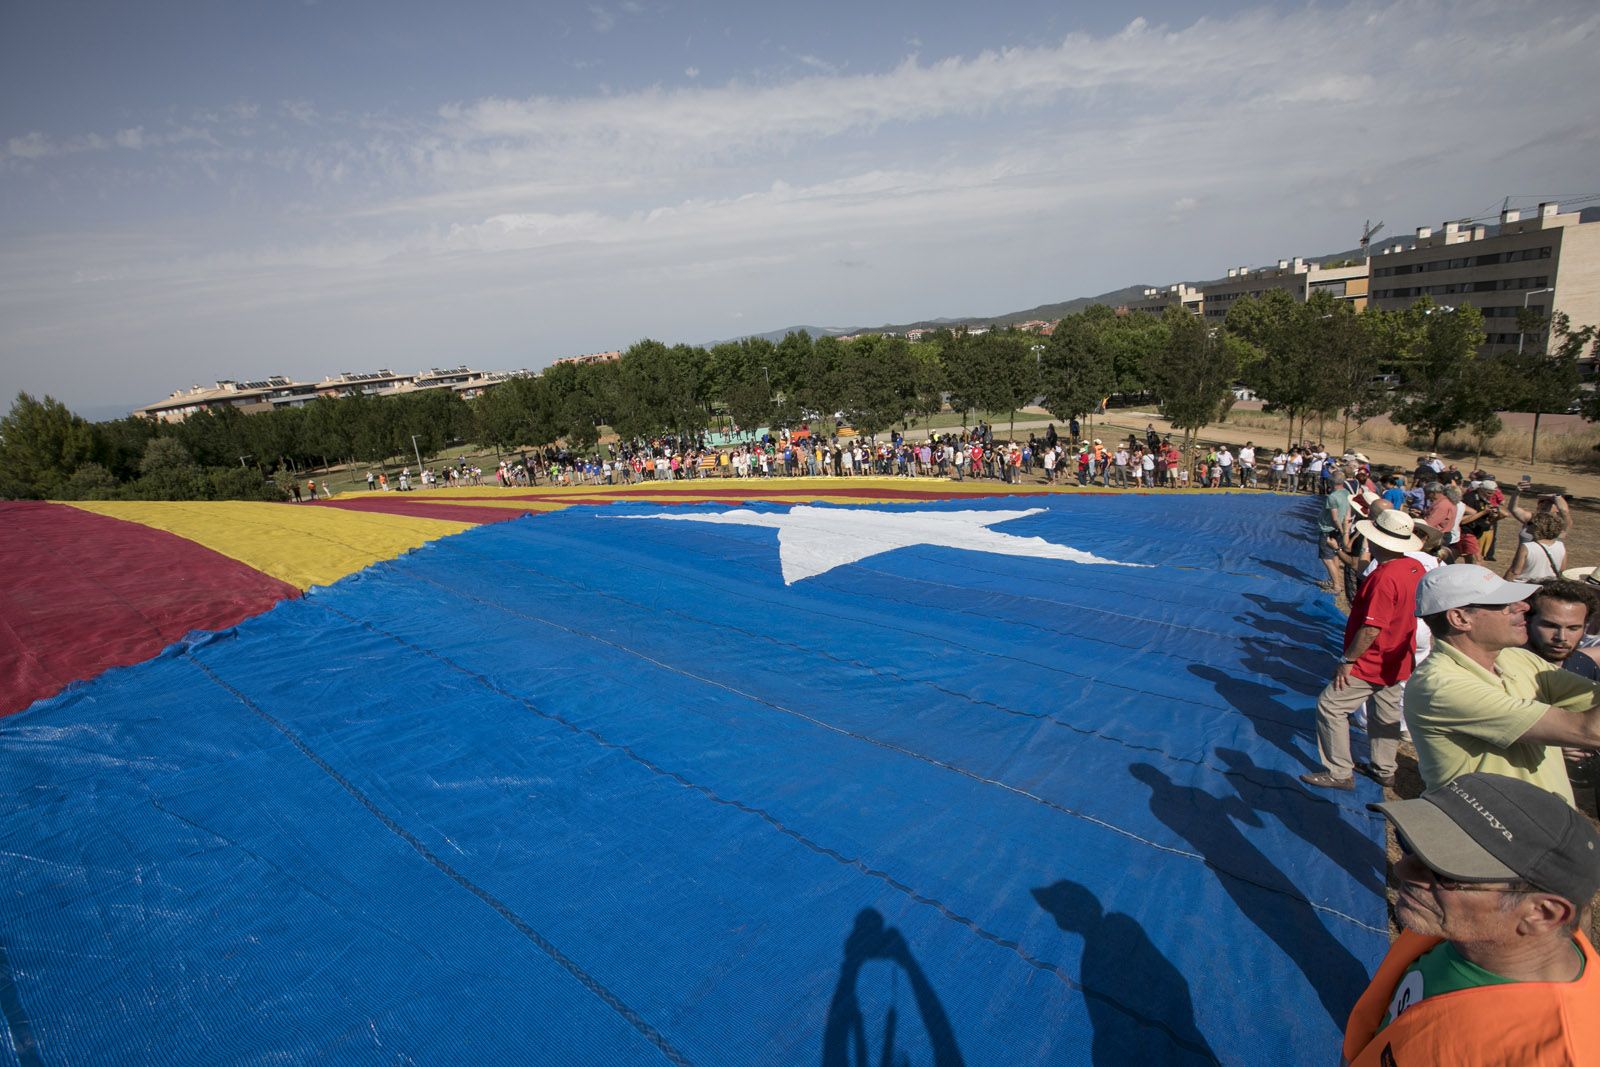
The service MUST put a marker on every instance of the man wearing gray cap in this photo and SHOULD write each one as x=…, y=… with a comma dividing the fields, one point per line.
x=1491, y=967
x=1379, y=652
x=1482, y=702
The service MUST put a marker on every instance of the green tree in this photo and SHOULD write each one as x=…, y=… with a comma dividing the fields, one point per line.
x=928, y=381
x=121, y=444
x=878, y=376
x=90, y=482
x=327, y=429
x=661, y=389
x=169, y=472
x=991, y=372
x=1546, y=380
x=1348, y=362
x=1193, y=373
x=1077, y=367
x=1282, y=364
x=41, y=444
x=1447, y=383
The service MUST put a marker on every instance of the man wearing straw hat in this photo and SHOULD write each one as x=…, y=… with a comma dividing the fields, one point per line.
x=1379, y=648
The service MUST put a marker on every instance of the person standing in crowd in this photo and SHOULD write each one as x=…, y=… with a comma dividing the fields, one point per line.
x=1543, y=556
x=1394, y=491
x=1483, y=702
x=1558, y=618
x=1379, y=652
x=1333, y=535
x=1492, y=502
x=1491, y=966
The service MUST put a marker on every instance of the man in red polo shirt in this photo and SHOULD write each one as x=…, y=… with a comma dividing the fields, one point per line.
x=1379, y=640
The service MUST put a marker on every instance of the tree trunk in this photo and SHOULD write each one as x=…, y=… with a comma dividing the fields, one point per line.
x=1344, y=446
x=1533, y=450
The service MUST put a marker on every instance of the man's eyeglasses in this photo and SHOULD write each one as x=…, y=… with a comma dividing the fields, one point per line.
x=1499, y=609
x=1450, y=885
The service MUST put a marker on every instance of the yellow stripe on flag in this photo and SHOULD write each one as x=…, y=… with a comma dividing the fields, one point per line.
x=298, y=544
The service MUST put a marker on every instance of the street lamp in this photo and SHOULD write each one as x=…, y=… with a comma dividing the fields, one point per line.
x=1521, y=335
x=417, y=452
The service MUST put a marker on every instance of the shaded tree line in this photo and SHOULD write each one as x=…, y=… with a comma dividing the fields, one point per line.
x=1423, y=366
x=1317, y=358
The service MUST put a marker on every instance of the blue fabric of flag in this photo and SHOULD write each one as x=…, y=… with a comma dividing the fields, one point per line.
x=586, y=788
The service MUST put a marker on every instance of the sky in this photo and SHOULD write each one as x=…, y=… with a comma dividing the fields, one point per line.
x=197, y=190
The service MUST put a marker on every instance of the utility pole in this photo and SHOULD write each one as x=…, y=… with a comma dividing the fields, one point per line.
x=1521, y=333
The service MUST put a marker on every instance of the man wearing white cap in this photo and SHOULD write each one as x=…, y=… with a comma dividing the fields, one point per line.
x=1482, y=702
x=1379, y=647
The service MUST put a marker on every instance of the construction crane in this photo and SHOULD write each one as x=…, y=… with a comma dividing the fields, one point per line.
x=1368, y=232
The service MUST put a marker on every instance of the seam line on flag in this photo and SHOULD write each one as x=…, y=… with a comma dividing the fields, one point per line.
x=734, y=628
x=767, y=817
x=865, y=738
x=588, y=981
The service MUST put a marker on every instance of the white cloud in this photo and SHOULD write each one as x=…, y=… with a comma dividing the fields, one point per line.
x=601, y=19
x=970, y=184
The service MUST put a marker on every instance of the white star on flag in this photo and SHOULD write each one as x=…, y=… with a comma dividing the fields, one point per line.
x=813, y=541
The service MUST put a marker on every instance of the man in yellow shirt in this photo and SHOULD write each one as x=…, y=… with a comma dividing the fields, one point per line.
x=1482, y=702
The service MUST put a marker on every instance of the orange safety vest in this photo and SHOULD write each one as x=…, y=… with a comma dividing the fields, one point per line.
x=1531, y=1024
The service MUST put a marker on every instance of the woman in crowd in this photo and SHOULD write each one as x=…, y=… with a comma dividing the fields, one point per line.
x=1544, y=556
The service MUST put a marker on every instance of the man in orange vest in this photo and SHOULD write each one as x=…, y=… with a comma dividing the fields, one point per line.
x=1492, y=966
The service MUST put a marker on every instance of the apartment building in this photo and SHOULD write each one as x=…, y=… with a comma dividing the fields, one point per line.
x=253, y=396
x=1299, y=278
x=1156, y=301
x=1549, y=262
x=270, y=394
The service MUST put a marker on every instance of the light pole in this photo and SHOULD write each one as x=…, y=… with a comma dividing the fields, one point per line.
x=417, y=452
x=1522, y=334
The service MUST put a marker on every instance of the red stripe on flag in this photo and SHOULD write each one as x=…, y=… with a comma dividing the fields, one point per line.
x=81, y=593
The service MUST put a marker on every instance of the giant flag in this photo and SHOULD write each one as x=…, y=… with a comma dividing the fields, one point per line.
x=981, y=781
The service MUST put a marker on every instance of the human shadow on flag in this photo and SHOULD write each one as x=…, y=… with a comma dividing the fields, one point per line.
x=1317, y=821
x=845, y=1041
x=1287, y=570
x=1138, y=1001
x=1262, y=893
x=1275, y=722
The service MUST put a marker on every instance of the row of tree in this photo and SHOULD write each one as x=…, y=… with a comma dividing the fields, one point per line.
x=1317, y=358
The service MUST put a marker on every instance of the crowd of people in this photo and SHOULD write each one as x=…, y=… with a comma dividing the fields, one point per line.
x=1137, y=461
x=1496, y=679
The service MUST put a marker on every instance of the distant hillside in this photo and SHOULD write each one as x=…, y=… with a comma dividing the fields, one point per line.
x=1046, y=312
x=1052, y=312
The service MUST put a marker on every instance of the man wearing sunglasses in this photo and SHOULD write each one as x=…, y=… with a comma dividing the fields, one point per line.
x=1482, y=702
x=1492, y=966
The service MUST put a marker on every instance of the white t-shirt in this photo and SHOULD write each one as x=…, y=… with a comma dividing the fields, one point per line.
x=1247, y=456
x=1543, y=562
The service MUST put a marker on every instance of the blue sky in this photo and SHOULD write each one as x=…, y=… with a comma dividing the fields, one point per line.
x=190, y=191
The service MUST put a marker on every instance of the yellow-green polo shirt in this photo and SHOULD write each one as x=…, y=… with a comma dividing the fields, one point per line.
x=1464, y=718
